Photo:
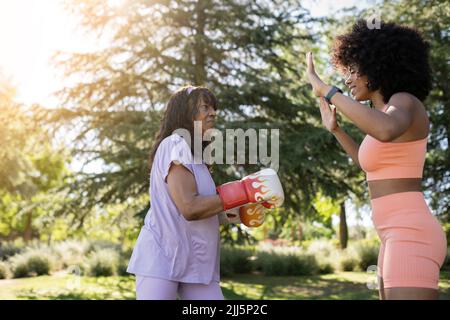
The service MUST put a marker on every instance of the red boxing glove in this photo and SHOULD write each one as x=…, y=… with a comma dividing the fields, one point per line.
x=263, y=186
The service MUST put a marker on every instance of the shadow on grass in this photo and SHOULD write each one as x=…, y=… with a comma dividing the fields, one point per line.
x=258, y=287
x=102, y=288
x=332, y=287
x=345, y=286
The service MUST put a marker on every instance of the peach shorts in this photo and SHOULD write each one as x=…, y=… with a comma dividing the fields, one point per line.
x=413, y=243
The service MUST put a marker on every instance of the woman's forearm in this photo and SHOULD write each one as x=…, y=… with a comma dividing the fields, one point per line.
x=348, y=144
x=371, y=121
x=202, y=207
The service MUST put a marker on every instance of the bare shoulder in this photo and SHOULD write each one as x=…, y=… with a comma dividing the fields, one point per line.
x=404, y=101
x=410, y=106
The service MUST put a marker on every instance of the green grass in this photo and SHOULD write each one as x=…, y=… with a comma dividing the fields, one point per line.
x=344, y=285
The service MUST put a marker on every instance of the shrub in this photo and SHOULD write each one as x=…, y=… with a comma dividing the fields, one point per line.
x=276, y=264
x=348, y=262
x=235, y=260
x=124, y=259
x=71, y=253
x=447, y=259
x=325, y=267
x=4, y=270
x=33, y=262
x=103, y=263
x=99, y=245
x=324, y=251
x=40, y=265
x=9, y=249
x=366, y=253
x=321, y=248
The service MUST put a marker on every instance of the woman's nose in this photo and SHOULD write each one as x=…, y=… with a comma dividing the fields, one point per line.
x=348, y=81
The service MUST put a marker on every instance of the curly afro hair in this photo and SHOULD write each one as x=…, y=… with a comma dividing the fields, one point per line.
x=393, y=57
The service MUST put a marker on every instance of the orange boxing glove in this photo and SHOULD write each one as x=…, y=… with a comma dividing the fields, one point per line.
x=251, y=215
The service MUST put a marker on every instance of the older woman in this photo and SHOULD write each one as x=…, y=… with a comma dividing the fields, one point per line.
x=177, y=252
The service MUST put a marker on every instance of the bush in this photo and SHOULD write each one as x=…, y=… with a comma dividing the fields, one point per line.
x=366, y=253
x=33, y=262
x=276, y=264
x=325, y=267
x=447, y=259
x=446, y=227
x=4, y=270
x=124, y=259
x=324, y=251
x=40, y=265
x=122, y=267
x=99, y=245
x=348, y=262
x=235, y=260
x=321, y=248
x=9, y=249
x=20, y=269
x=103, y=263
x=71, y=253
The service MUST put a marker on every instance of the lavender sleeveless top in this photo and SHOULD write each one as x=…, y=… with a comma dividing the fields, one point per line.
x=170, y=247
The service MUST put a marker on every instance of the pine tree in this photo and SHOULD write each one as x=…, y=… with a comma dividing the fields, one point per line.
x=249, y=53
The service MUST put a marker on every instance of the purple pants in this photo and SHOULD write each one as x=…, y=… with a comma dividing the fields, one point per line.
x=148, y=288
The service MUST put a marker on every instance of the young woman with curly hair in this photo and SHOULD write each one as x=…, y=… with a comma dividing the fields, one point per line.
x=389, y=68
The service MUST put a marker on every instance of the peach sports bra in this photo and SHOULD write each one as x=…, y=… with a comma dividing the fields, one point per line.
x=392, y=160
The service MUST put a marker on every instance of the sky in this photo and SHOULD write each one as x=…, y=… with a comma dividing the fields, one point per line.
x=32, y=30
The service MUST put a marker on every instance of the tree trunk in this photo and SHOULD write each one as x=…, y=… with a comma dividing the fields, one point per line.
x=343, y=230
x=300, y=232
x=200, y=58
x=28, y=232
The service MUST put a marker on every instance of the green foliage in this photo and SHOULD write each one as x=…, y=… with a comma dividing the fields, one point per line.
x=280, y=264
x=246, y=52
x=446, y=227
x=325, y=208
x=33, y=262
x=31, y=166
x=447, y=259
x=366, y=252
x=103, y=263
x=4, y=270
x=316, y=230
x=325, y=252
x=71, y=253
x=10, y=248
x=348, y=262
x=235, y=260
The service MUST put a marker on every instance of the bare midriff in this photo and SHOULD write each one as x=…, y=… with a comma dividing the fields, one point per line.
x=380, y=188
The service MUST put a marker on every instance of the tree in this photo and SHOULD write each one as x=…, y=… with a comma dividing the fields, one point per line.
x=250, y=53
x=30, y=167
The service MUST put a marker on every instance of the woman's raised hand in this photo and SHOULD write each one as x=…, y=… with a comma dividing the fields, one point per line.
x=318, y=86
x=328, y=115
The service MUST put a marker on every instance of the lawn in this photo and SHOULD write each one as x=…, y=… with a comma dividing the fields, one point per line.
x=345, y=285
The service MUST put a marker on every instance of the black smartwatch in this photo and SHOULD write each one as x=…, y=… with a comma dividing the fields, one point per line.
x=331, y=93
